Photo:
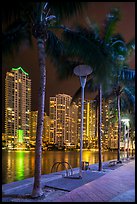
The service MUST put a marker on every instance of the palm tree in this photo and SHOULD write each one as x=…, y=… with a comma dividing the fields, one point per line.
x=100, y=57
x=20, y=23
x=121, y=52
x=124, y=95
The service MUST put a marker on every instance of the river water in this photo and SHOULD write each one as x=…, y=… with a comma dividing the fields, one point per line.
x=19, y=165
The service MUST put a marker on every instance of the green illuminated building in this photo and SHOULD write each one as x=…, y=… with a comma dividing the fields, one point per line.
x=17, y=107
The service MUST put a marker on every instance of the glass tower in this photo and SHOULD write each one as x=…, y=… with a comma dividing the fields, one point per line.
x=17, y=108
x=63, y=128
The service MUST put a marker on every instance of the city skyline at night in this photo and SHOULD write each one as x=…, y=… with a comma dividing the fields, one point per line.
x=68, y=101
x=27, y=57
x=62, y=126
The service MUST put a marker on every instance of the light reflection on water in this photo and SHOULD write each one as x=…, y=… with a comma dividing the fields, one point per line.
x=18, y=165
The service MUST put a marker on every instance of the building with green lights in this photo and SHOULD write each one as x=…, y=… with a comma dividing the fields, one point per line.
x=17, y=108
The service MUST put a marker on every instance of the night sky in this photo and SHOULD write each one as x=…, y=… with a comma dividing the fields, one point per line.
x=28, y=60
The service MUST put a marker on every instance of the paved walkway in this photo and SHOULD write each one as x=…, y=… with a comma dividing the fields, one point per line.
x=113, y=184
x=116, y=186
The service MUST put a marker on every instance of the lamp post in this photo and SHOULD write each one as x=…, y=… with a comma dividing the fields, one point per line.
x=126, y=124
x=82, y=71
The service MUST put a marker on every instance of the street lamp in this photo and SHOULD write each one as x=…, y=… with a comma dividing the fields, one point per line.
x=82, y=71
x=126, y=124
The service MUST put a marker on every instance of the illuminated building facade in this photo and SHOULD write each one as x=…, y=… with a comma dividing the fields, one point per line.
x=63, y=129
x=90, y=125
x=105, y=124
x=3, y=139
x=113, y=128
x=33, y=129
x=46, y=129
x=113, y=136
x=17, y=108
x=73, y=124
x=89, y=118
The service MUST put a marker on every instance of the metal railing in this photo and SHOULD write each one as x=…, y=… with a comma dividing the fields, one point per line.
x=57, y=164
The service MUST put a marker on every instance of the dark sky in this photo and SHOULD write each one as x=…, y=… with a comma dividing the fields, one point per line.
x=27, y=58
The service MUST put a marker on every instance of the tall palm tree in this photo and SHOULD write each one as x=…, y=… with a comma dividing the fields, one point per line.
x=21, y=22
x=123, y=95
x=92, y=47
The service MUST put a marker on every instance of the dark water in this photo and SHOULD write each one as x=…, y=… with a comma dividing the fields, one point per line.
x=18, y=165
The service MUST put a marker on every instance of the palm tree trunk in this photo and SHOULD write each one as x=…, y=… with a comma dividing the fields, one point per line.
x=99, y=128
x=37, y=190
x=119, y=127
x=128, y=144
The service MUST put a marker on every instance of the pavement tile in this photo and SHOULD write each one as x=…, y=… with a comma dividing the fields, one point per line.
x=118, y=184
x=128, y=196
x=70, y=183
x=67, y=197
x=104, y=191
x=112, y=180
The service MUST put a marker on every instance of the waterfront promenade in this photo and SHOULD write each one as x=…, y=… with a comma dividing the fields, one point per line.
x=113, y=184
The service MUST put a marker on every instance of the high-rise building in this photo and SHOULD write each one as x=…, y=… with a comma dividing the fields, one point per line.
x=46, y=129
x=89, y=118
x=112, y=127
x=113, y=135
x=63, y=129
x=33, y=129
x=73, y=124
x=17, y=107
x=105, y=123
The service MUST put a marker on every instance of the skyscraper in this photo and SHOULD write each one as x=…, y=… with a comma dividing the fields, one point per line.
x=63, y=127
x=88, y=123
x=17, y=107
x=46, y=129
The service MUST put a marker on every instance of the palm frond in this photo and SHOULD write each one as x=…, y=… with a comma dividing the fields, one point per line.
x=112, y=18
x=93, y=27
x=65, y=67
x=130, y=48
x=88, y=49
x=118, y=47
x=82, y=45
x=130, y=95
x=66, y=9
x=54, y=46
x=57, y=51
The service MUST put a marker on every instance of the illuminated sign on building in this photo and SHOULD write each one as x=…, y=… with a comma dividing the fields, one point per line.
x=20, y=134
